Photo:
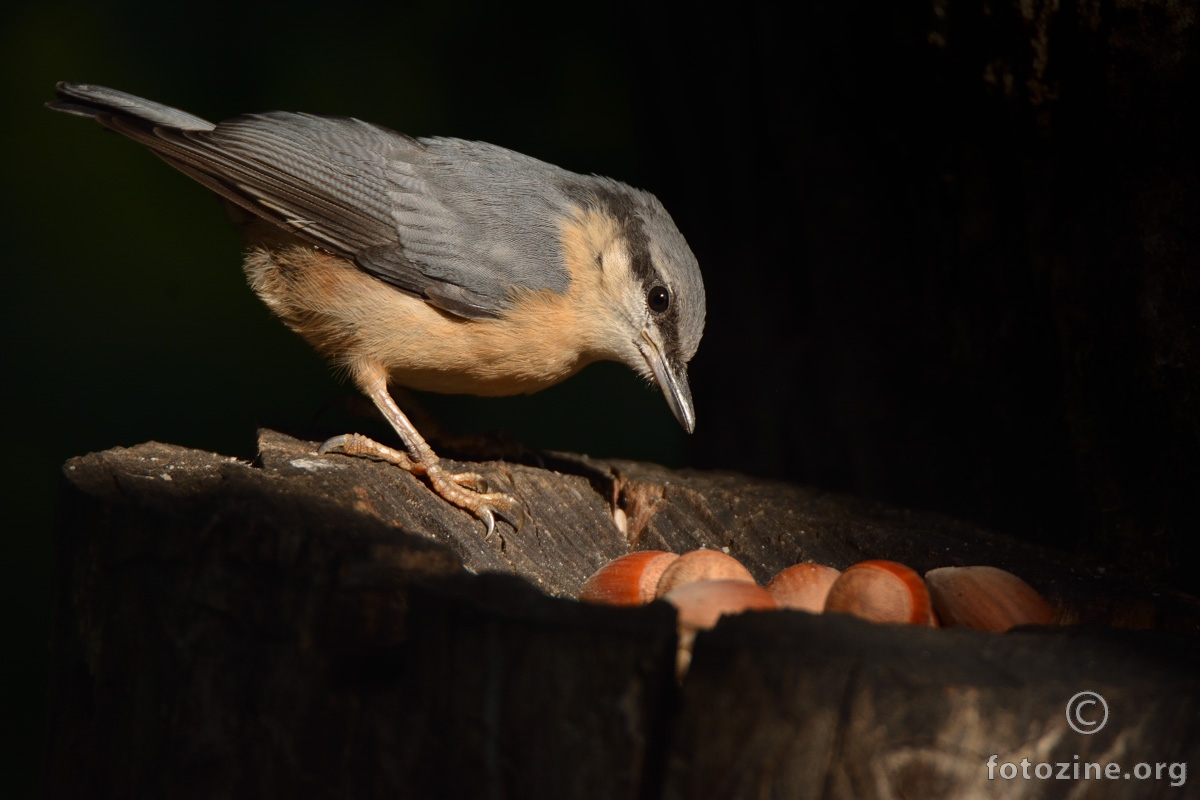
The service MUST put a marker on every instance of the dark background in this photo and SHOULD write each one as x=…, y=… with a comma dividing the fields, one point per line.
x=950, y=249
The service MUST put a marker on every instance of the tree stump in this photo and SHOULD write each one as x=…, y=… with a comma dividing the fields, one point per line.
x=325, y=626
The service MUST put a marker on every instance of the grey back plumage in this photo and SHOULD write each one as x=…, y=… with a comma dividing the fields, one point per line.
x=444, y=219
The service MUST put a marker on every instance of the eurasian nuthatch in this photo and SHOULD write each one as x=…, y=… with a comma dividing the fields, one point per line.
x=437, y=264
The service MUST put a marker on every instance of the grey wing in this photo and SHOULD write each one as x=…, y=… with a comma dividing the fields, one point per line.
x=461, y=224
x=473, y=217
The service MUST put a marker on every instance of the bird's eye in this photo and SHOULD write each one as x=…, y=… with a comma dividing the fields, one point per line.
x=659, y=299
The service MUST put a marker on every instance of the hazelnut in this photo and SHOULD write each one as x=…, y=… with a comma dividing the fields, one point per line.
x=803, y=586
x=701, y=565
x=701, y=603
x=881, y=591
x=985, y=598
x=627, y=581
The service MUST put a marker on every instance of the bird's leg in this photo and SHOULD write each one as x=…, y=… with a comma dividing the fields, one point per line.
x=467, y=490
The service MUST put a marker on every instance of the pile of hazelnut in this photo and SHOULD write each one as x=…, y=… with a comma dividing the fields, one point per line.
x=703, y=585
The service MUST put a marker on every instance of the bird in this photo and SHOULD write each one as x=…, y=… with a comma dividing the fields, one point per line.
x=436, y=264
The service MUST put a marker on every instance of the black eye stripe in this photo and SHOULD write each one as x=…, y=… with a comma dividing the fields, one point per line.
x=659, y=299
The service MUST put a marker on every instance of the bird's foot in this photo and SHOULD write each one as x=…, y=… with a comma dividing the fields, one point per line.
x=467, y=490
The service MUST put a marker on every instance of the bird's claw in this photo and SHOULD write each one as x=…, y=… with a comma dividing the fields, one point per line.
x=517, y=519
x=489, y=522
x=336, y=444
x=489, y=514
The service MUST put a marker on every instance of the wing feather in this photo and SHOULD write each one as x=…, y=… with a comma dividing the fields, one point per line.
x=462, y=224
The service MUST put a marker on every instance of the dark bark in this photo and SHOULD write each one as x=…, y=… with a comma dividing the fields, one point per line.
x=306, y=627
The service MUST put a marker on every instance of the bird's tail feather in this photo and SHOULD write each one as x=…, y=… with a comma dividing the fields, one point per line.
x=110, y=107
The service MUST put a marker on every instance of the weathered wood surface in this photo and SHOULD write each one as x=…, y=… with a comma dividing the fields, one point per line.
x=306, y=627
x=801, y=707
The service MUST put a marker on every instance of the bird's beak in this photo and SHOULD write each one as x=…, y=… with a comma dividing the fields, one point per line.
x=671, y=379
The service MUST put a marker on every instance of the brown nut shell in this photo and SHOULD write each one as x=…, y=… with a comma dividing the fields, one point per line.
x=701, y=603
x=881, y=591
x=702, y=565
x=803, y=586
x=629, y=580
x=985, y=599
